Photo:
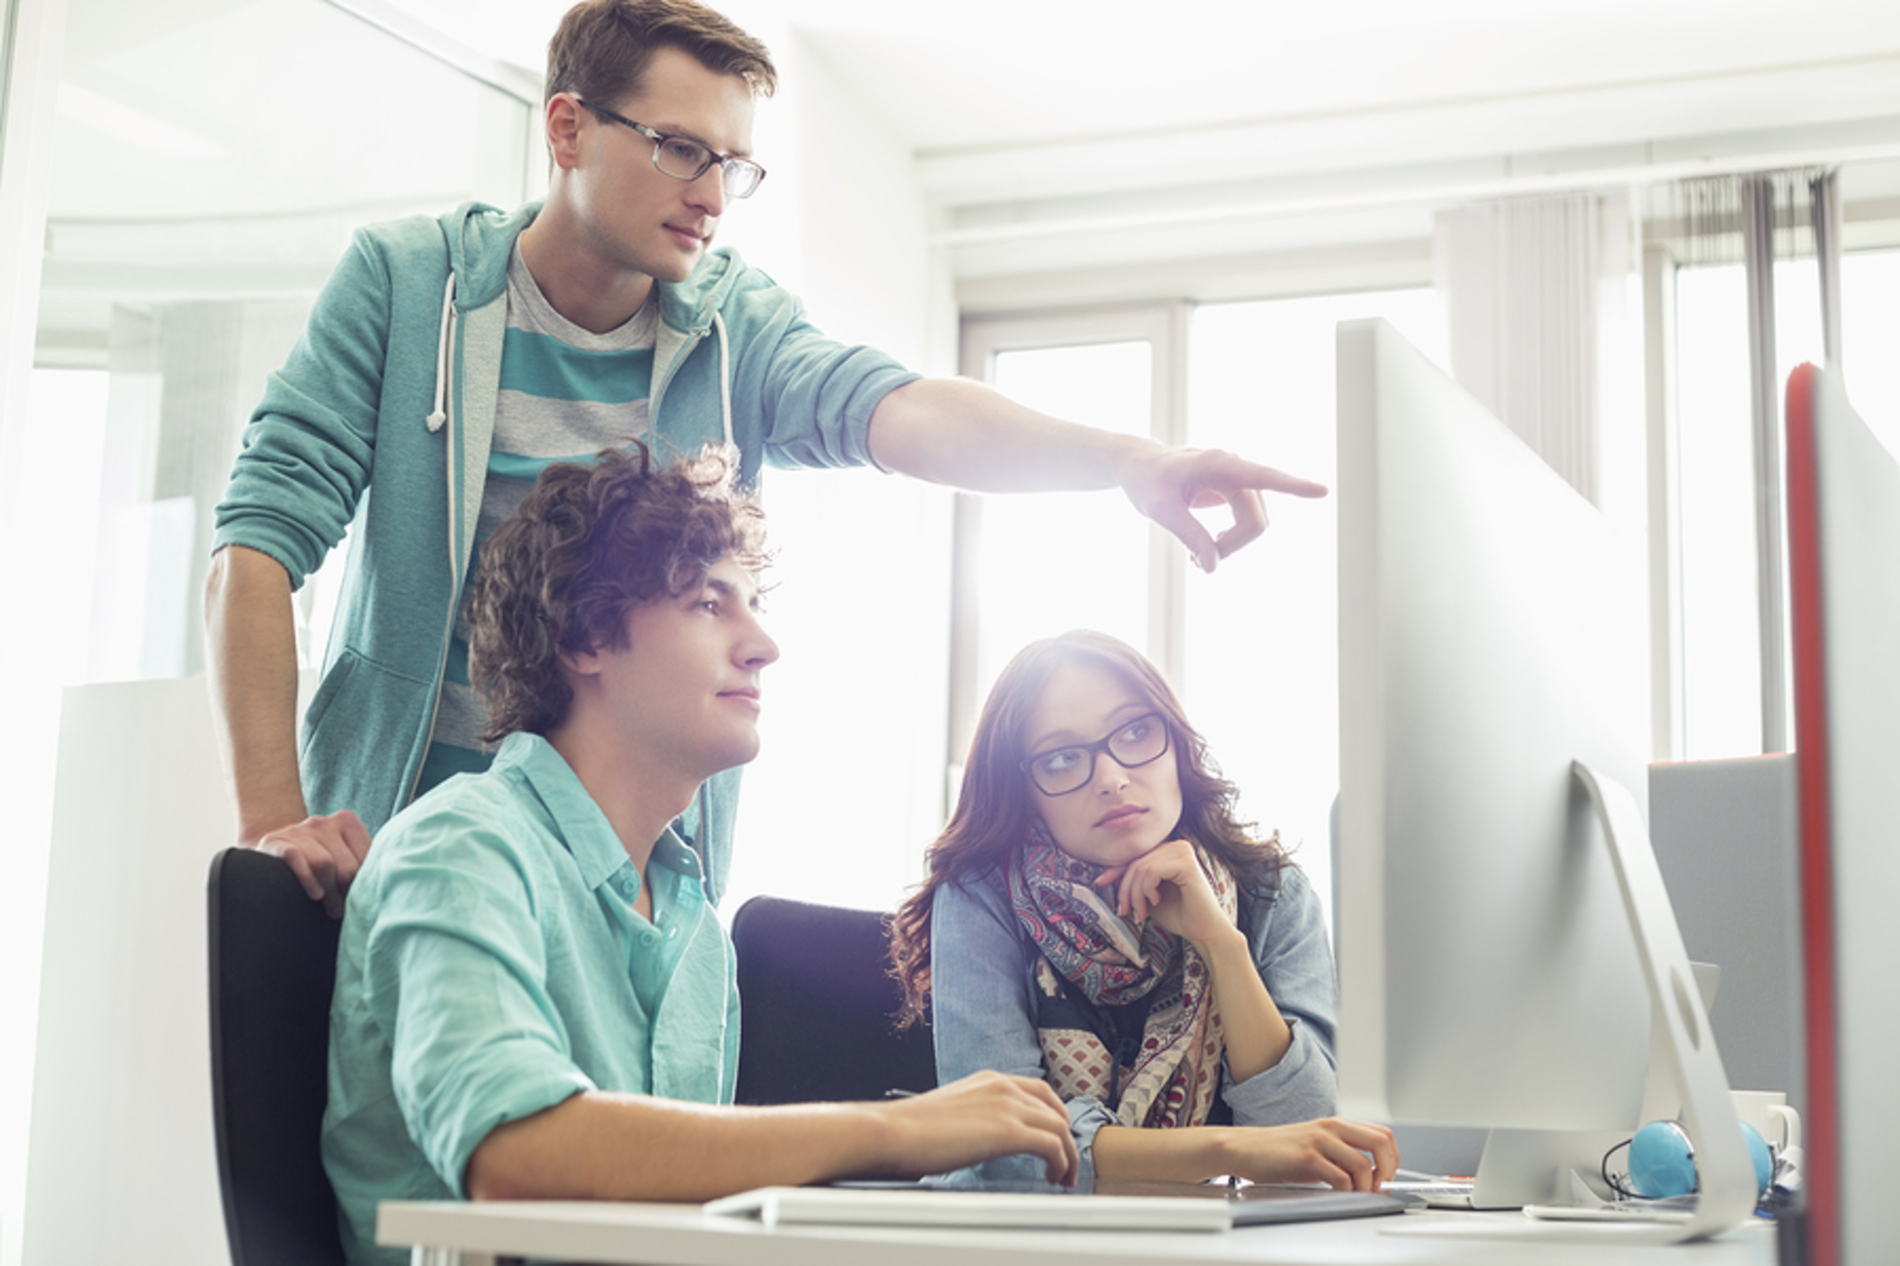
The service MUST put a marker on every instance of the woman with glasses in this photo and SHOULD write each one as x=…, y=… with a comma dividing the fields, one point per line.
x=1095, y=915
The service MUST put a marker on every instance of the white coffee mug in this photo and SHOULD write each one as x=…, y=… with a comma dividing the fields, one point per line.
x=1768, y=1111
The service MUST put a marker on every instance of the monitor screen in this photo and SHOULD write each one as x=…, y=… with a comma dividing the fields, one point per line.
x=1492, y=632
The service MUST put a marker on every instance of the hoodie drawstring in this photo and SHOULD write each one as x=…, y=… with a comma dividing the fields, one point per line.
x=725, y=376
x=439, y=416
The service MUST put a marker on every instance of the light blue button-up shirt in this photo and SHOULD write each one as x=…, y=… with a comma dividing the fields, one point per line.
x=492, y=964
x=983, y=1012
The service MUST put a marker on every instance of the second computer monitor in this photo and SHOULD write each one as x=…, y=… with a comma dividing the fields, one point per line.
x=1491, y=633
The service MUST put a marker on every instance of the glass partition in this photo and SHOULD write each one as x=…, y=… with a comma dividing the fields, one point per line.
x=212, y=160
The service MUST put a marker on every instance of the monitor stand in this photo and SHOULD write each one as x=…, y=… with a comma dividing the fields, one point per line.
x=1558, y=1167
x=1532, y=1168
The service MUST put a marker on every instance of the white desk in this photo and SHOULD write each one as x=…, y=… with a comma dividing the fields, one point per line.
x=453, y=1234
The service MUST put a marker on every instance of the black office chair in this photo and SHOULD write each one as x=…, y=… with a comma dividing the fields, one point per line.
x=273, y=968
x=816, y=1007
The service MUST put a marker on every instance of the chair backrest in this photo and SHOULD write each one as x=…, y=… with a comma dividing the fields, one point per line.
x=273, y=969
x=816, y=1007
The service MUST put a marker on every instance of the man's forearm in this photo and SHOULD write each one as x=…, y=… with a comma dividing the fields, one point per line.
x=251, y=650
x=605, y=1146
x=963, y=433
x=580, y=1149
x=953, y=431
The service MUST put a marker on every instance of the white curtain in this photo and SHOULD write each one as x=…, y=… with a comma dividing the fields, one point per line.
x=1535, y=291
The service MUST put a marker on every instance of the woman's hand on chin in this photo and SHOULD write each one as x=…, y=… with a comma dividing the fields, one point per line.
x=1167, y=884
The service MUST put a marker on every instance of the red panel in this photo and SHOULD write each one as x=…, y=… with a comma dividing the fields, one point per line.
x=1821, y=1174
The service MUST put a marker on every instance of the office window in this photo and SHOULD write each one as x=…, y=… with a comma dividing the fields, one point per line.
x=1253, y=648
x=1032, y=566
x=848, y=786
x=1261, y=661
x=1721, y=644
x=1059, y=561
x=1870, y=337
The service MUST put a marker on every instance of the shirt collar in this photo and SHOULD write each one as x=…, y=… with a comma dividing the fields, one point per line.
x=577, y=818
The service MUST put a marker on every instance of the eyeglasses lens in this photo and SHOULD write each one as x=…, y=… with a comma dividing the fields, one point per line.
x=1070, y=768
x=688, y=160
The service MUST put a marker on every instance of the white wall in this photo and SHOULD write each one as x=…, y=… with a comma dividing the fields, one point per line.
x=841, y=220
x=122, y=1095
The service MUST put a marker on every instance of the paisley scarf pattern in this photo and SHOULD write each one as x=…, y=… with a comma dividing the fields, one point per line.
x=1090, y=953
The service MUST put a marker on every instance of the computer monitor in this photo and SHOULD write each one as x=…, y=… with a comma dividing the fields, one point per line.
x=1844, y=567
x=1501, y=954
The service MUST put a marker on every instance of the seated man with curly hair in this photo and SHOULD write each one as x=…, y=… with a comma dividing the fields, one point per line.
x=534, y=997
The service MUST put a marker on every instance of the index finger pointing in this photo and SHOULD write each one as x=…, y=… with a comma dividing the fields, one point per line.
x=1238, y=472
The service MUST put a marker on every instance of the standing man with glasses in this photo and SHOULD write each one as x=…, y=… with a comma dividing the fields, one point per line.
x=449, y=360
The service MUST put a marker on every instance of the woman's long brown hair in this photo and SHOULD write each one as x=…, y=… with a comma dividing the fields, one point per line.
x=994, y=810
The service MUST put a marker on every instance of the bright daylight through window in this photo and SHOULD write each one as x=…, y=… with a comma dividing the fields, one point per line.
x=1720, y=640
x=1259, y=668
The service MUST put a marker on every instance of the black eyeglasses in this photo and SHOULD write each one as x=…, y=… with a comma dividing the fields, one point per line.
x=683, y=158
x=1061, y=770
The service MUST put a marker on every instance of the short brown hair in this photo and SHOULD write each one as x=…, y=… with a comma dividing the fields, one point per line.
x=601, y=49
x=588, y=544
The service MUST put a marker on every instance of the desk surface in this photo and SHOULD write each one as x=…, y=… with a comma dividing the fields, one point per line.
x=680, y=1235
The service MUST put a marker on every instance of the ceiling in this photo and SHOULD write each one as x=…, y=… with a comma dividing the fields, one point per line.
x=965, y=81
x=977, y=74
x=1058, y=134
x=251, y=132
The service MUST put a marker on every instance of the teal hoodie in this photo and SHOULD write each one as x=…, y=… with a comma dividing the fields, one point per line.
x=380, y=421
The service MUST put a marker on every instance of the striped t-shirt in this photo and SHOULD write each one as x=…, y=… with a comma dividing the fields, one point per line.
x=566, y=393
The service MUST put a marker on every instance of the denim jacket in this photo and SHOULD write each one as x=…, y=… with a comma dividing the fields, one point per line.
x=982, y=990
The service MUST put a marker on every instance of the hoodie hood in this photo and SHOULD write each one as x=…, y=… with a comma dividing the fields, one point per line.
x=481, y=240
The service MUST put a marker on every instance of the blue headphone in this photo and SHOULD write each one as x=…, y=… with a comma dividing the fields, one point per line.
x=1662, y=1161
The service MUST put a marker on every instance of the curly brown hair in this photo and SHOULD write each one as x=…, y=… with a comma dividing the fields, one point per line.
x=995, y=810
x=586, y=545
x=601, y=49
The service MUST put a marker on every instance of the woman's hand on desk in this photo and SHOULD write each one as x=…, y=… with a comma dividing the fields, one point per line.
x=979, y=1118
x=1347, y=1155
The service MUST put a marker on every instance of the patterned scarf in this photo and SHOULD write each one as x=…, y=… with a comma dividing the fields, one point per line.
x=1091, y=955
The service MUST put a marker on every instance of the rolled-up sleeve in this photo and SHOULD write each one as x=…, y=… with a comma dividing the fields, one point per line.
x=984, y=1017
x=815, y=394
x=456, y=979
x=1295, y=960
x=308, y=449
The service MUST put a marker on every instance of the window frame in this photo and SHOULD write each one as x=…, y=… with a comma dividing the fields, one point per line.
x=1164, y=327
